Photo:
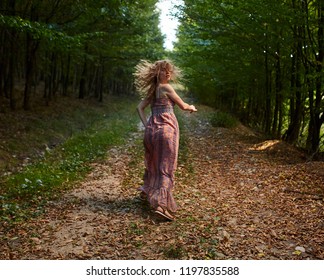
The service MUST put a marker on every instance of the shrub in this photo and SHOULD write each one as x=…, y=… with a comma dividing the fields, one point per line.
x=223, y=119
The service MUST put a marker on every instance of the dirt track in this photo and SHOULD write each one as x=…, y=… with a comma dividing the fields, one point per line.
x=240, y=197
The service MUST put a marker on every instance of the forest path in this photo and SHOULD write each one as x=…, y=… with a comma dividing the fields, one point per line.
x=240, y=197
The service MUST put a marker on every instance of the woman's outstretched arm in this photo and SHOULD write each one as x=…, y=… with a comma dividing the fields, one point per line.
x=177, y=99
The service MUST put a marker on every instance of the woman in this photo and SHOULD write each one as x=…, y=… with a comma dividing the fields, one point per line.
x=161, y=137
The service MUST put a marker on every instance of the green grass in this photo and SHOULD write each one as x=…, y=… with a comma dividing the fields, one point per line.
x=23, y=194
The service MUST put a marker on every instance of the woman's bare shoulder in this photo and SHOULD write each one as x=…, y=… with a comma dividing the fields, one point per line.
x=166, y=87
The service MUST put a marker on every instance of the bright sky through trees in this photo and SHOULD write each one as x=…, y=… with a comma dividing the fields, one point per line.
x=168, y=23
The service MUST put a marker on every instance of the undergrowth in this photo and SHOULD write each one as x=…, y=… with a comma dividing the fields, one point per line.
x=223, y=119
x=23, y=194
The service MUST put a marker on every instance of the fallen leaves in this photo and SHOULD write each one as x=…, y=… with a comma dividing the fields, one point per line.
x=240, y=197
x=255, y=205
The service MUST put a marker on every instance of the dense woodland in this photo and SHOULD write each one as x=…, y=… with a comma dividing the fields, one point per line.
x=262, y=60
x=85, y=48
x=259, y=59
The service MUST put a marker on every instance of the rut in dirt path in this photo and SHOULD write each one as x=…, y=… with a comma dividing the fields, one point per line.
x=240, y=197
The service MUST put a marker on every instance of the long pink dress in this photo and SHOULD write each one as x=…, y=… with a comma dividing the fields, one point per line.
x=161, y=143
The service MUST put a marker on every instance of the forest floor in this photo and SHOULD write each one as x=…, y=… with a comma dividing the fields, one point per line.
x=240, y=197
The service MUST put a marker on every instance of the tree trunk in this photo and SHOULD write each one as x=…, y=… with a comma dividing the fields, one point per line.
x=101, y=84
x=296, y=102
x=2, y=62
x=66, y=77
x=277, y=115
x=11, y=73
x=30, y=58
x=316, y=107
x=30, y=63
x=82, y=89
x=267, y=112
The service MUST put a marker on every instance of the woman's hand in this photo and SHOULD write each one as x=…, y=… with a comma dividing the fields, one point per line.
x=192, y=108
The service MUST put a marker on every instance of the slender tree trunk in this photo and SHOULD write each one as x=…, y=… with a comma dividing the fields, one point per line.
x=2, y=62
x=316, y=106
x=7, y=63
x=30, y=58
x=82, y=89
x=267, y=112
x=30, y=61
x=11, y=73
x=97, y=82
x=101, y=84
x=53, y=76
x=296, y=102
x=66, y=77
x=277, y=116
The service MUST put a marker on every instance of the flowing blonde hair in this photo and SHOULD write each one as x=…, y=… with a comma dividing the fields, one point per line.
x=147, y=76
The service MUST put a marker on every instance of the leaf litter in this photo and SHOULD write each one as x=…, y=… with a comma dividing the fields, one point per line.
x=240, y=197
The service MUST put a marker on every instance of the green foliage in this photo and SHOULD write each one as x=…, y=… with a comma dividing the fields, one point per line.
x=223, y=119
x=49, y=33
